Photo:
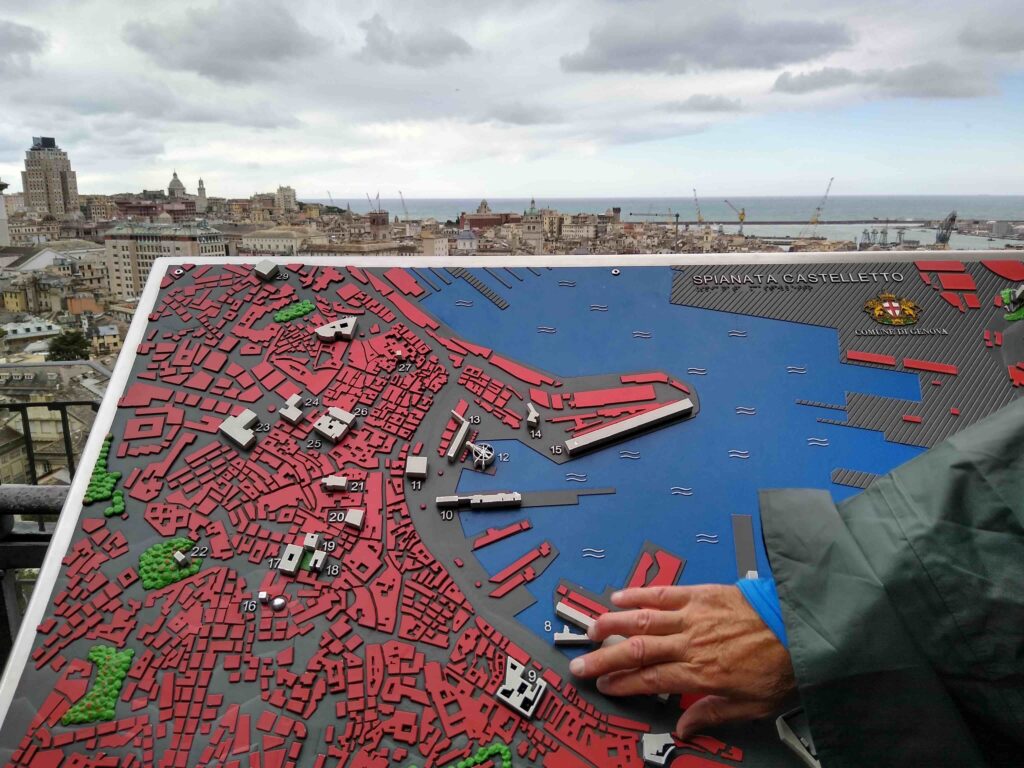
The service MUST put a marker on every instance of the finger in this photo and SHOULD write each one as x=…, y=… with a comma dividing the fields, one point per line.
x=672, y=677
x=653, y=597
x=636, y=651
x=716, y=710
x=646, y=621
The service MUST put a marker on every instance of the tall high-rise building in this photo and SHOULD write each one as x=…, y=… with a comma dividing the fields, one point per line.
x=5, y=235
x=201, y=198
x=49, y=183
x=284, y=201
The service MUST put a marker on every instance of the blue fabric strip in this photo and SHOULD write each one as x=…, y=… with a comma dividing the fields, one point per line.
x=763, y=598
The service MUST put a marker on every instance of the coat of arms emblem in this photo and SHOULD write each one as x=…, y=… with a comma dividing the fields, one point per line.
x=889, y=310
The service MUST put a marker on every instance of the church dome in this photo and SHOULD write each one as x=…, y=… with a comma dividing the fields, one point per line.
x=175, y=188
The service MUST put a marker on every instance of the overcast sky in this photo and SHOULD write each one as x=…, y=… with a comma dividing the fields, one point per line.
x=451, y=98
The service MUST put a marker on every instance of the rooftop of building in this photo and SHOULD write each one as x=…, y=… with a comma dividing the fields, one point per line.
x=181, y=229
x=297, y=233
x=73, y=244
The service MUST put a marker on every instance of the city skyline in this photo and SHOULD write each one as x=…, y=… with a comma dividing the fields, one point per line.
x=641, y=99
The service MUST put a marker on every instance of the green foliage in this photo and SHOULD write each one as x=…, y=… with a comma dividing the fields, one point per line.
x=117, y=507
x=69, y=345
x=298, y=309
x=157, y=567
x=101, y=698
x=102, y=483
x=497, y=753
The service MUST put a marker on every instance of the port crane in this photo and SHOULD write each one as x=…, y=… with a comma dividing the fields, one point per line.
x=404, y=209
x=696, y=204
x=945, y=229
x=812, y=225
x=741, y=214
x=669, y=215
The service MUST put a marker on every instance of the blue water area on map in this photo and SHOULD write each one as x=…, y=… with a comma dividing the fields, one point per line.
x=749, y=371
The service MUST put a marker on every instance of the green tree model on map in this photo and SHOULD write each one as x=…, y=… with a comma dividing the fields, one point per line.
x=102, y=483
x=158, y=569
x=298, y=309
x=99, y=701
x=498, y=754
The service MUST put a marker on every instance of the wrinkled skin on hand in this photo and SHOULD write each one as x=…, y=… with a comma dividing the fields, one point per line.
x=699, y=640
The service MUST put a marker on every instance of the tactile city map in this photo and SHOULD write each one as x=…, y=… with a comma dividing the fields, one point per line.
x=362, y=516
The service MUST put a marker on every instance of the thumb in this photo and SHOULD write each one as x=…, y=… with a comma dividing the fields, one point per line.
x=716, y=710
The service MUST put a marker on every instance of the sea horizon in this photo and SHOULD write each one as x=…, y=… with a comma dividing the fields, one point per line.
x=783, y=208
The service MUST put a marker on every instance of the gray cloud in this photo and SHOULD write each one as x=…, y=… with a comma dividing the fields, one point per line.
x=148, y=100
x=233, y=41
x=815, y=80
x=674, y=45
x=933, y=79
x=421, y=49
x=518, y=113
x=18, y=44
x=703, y=102
x=1004, y=36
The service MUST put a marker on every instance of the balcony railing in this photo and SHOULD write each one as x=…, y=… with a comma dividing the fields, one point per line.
x=28, y=510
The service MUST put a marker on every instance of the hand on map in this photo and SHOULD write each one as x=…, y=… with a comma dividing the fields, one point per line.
x=705, y=640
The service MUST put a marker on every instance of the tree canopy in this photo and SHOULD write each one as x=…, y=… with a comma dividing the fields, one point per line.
x=69, y=345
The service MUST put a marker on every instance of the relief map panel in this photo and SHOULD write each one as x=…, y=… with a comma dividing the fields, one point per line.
x=362, y=517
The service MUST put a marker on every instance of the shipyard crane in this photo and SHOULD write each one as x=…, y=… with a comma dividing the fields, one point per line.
x=669, y=214
x=945, y=230
x=696, y=204
x=812, y=225
x=404, y=209
x=741, y=214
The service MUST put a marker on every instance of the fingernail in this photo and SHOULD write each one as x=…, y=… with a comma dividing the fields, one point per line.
x=616, y=596
x=602, y=683
x=591, y=631
x=577, y=666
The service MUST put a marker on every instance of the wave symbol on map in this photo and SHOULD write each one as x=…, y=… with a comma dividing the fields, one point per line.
x=567, y=283
x=546, y=329
x=736, y=454
x=464, y=303
x=819, y=441
x=598, y=307
x=624, y=454
x=796, y=369
x=597, y=554
x=642, y=335
x=678, y=490
x=576, y=477
x=738, y=334
x=746, y=410
x=697, y=371
x=707, y=538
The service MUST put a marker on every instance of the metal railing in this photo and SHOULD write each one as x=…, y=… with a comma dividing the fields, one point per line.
x=61, y=406
x=27, y=511
x=21, y=546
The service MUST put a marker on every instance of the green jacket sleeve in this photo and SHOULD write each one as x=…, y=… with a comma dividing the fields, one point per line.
x=904, y=605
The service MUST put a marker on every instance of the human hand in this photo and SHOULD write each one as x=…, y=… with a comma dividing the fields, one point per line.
x=705, y=639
